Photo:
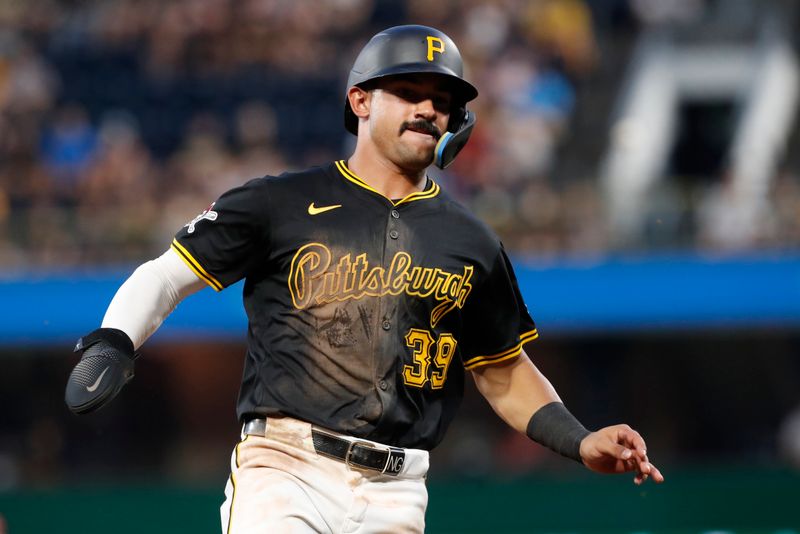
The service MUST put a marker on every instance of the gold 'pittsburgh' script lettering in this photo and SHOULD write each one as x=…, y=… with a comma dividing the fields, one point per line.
x=315, y=278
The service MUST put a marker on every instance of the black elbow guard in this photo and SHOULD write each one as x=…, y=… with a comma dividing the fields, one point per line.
x=106, y=365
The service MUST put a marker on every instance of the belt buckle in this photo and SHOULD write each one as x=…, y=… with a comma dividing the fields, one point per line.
x=395, y=457
x=350, y=447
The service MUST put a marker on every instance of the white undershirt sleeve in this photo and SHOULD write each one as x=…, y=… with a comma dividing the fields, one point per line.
x=149, y=296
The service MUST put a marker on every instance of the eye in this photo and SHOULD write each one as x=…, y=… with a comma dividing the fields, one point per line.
x=407, y=94
x=441, y=103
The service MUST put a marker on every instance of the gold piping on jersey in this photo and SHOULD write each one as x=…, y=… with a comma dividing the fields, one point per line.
x=195, y=266
x=312, y=282
x=513, y=352
x=431, y=192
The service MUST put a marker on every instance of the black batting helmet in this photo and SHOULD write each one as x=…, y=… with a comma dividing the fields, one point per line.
x=408, y=50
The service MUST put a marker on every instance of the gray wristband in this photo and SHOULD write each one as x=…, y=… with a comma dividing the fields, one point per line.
x=554, y=427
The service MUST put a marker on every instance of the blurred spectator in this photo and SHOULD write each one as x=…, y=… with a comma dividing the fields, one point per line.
x=488, y=28
x=785, y=198
x=256, y=130
x=730, y=221
x=27, y=83
x=68, y=147
x=562, y=29
x=660, y=12
x=118, y=194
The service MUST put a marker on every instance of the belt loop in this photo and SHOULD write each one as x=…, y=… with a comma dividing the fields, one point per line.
x=255, y=427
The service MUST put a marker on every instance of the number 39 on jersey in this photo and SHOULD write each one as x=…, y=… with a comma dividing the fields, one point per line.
x=425, y=350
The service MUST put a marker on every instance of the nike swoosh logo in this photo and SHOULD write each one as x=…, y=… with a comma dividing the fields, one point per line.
x=313, y=210
x=93, y=387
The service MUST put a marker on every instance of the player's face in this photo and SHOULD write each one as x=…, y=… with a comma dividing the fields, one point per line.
x=408, y=115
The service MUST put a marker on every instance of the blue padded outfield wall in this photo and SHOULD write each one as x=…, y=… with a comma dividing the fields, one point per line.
x=613, y=295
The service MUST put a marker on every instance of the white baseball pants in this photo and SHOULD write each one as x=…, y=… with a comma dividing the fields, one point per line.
x=279, y=484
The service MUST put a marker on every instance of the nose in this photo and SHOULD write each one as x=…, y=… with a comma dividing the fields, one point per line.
x=425, y=110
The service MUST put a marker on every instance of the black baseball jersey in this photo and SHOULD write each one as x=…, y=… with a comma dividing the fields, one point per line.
x=363, y=312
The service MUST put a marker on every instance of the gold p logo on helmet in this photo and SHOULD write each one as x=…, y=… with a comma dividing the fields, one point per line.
x=434, y=45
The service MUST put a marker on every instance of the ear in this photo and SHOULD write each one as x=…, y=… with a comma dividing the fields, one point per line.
x=360, y=101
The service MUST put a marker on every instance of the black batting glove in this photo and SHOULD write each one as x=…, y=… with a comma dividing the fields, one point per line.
x=105, y=366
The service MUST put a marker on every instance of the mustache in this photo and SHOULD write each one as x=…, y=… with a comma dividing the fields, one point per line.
x=423, y=126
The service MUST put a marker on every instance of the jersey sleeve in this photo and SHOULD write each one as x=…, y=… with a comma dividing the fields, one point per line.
x=230, y=239
x=496, y=321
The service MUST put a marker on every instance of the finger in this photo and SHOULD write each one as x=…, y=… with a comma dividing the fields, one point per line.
x=642, y=472
x=636, y=443
x=658, y=478
x=653, y=473
x=632, y=439
x=623, y=453
x=640, y=446
x=644, y=467
x=629, y=466
x=608, y=447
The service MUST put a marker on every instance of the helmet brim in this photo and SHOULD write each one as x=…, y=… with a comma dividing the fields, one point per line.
x=462, y=90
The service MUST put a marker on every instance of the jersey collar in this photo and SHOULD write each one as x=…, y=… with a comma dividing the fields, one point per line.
x=431, y=190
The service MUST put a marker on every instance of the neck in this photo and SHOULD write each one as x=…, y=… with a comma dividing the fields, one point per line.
x=384, y=176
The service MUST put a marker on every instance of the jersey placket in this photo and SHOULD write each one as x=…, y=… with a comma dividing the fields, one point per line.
x=389, y=343
x=388, y=308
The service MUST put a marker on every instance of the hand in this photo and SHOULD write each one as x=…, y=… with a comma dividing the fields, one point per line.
x=618, y=449
x=105, y=366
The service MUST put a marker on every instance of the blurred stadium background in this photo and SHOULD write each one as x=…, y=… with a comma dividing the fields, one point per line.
x=639, y=158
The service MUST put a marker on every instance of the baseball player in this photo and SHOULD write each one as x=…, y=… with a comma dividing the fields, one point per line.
x=370, y=294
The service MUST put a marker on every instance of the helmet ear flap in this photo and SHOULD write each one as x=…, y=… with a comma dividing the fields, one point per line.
x=457, y=116
x=451, y=143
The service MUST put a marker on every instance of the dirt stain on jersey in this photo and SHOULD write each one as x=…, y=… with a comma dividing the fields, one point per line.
x=339, y=330
x=366, y=317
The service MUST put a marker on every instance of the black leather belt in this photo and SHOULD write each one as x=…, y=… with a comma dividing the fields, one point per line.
x=359, y=454
x=355, y=453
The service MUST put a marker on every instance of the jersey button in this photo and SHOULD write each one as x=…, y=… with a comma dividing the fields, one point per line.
x=383, y=385
x=386, y=325
x=395, y=214
x=394, y=234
